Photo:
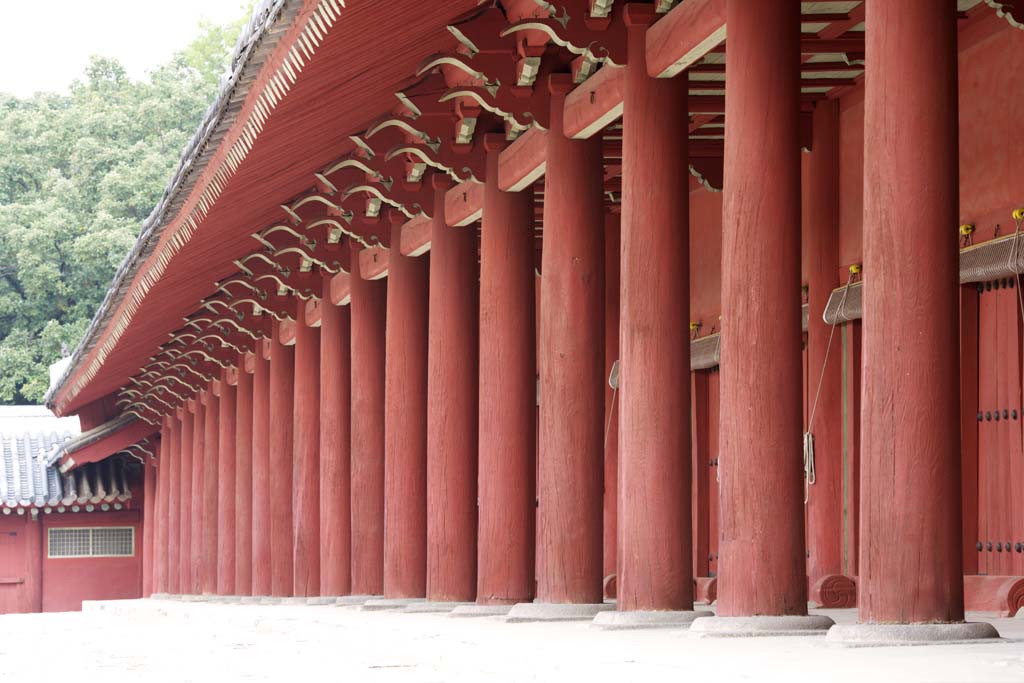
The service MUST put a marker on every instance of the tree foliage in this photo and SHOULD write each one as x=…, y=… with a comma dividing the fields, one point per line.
x=79, y=173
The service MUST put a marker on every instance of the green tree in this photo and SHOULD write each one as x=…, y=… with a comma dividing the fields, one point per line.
x=79, y=173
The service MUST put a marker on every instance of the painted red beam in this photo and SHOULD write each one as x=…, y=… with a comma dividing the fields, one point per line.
x=339, y=290
x=463, y=204
x=415, y=238
x=684, y=36
x=119, y=440
x=373, y=262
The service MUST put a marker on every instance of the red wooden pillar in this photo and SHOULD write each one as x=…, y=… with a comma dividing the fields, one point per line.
x=825, y=370
x=654, y=556
x=453, y=411
x=368, y=341
x=306, y=571
x=211, y=458
x=173, y=506
x=762, y=561
x=405, y=420
x=281, y=445
x=34, y=549
x=149, y=520
x=612, y=241
x=196, y=501
x=226, y=461
x=571, y=363
x=910, y=467
x=160, y=533
x=243, y=478
x=335, y=448
x=261, y=538
x=508, y=391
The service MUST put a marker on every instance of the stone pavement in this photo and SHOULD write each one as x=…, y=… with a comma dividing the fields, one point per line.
x=167, y=640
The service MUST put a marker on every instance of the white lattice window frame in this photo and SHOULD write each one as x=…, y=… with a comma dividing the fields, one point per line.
x=91, y=545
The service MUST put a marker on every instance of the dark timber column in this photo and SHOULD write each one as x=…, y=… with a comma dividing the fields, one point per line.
x=281, y=441
x=211, y=459
x=571, y=360
x=307, y=456
x=226, y=485
x=405, y=421
x=910, y=468
x=508, y=391
x=612, y=240
x=825, y=496
x=335, y=448
x=368, y=341
x=655, y=569
x=261, y=538
x=195, y=580
x=453, y=376
x=175, y=510
x=161, y=537
x=149, y=520
x=243, y=479
x=761, y=555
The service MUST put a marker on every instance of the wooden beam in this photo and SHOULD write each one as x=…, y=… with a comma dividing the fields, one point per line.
x=523, y=162
x=683, y=36
x=373, y=262
x=463, y=204
x=416, y=232
x=595, y=103
x=340, y=292
x=312, y=313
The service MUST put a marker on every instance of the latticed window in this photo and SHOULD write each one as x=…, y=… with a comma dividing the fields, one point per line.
x=92, y=542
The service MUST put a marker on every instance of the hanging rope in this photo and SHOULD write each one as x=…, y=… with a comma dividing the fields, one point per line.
x=809, y=473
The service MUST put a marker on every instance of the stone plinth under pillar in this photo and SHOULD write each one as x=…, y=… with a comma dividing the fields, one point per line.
x=470, y=611
x=526, y=612
x=616, y=620
x=761, y=626
x=879, y=635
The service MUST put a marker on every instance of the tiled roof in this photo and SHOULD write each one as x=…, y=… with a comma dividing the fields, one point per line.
x=26, y=480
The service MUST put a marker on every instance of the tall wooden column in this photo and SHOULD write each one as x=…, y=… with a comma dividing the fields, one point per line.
x=261, y=536
x=762, y=563
x=195, y=574
x=226, y=483
x=307, y=457
x=149, y=520
x=368, y=341
x=211, y=460
x=452, y=411
x=571, y=363
x=612, y=267
x=161, y=538
x=335, y=448
x=824, y=366
x=281, y=442
x=655, y=544
x=243, y=479
x=508, y=391
x=910, y=422
x=174, y=504
x=405, y=421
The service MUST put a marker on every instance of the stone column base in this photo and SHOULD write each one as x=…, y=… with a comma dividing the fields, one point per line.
x=615, y=620
x=354, y=600
x=526, y=612
x=383, y=604
x=433, y=607
x=481, y=611
x=875, y=635
x=757, y=626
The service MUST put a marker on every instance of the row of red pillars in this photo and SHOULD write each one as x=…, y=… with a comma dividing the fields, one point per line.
x=392, y=450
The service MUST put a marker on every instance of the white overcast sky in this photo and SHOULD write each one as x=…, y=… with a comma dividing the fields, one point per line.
x=46, y=45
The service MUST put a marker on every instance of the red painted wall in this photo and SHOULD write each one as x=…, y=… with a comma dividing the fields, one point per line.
x=18, y=577
x=69, y=581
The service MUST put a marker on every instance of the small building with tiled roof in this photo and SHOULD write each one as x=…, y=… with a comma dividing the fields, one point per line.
x=67, y=533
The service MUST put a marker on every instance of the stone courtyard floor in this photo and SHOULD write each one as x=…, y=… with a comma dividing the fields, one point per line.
x=167, y=640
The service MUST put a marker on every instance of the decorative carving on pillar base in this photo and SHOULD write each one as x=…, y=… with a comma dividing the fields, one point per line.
x=834, y=591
